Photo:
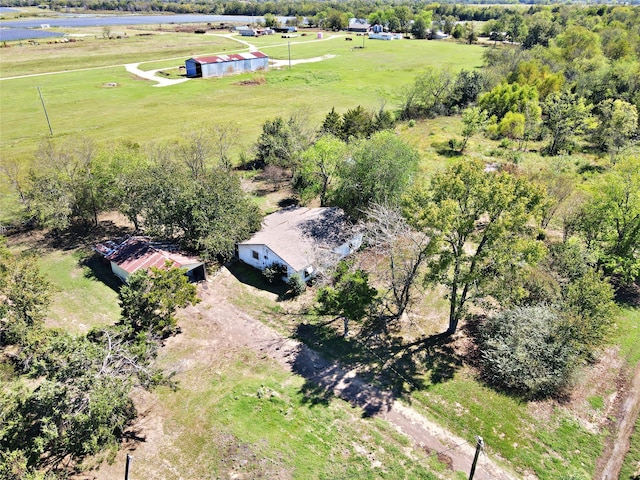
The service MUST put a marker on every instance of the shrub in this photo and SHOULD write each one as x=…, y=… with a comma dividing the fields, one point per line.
x=454, y=144
x=528, y=351
x=274, y=272
x=296, y=285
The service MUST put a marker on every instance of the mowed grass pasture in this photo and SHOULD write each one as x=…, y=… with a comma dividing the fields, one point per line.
x=82, y=103
x=240, y=413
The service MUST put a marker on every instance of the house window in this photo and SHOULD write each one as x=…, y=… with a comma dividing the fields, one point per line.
x=255, y=254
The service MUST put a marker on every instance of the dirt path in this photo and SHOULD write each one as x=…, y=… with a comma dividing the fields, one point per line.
x=151, y=75
x=240, y=329
x=628, y=413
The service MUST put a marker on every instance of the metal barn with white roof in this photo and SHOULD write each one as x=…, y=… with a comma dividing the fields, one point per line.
x=221, y=65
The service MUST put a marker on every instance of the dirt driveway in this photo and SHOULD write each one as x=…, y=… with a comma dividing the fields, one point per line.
x=235, y=327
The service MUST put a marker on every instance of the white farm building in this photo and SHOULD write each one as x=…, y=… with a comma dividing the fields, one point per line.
x=221, y=65
x=294, y=238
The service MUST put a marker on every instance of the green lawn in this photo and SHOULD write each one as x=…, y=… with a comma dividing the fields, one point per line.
x=83, y=296
x=631, y=468
x=80, y=103
x=245, y=415
x=86, y=49
x=628, y=334
x=553, y=449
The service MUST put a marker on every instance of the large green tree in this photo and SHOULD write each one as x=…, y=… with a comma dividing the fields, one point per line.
x=282, y=141
x=350, y=297
x=565, y=116
x=319, y=168
x=508, y=97
x=380, y=170
x=617, y=124
x=429, y=94
x=209, y=214
x=150, y=300
x=480, y=220
x=24, y=296
x=610, y=219
x=68, y=181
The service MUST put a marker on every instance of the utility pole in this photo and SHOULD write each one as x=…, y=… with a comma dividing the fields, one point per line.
x=126, y=469
x=45, y=111
x=479, y=447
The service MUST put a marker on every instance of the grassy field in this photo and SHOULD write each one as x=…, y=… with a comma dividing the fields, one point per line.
x=246, y=415
x=81, y=298
x=631, y=468
x=80, y=103
x=628, y=334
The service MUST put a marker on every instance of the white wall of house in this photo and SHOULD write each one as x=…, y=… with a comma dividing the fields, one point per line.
x=261, y=256
x=258, y=256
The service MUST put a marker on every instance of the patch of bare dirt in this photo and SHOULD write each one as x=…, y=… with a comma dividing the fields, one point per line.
x=617, y=445
x=251, y=82
x=595, y=396
x=215, y=327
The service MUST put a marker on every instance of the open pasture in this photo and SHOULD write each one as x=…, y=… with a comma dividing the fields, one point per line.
x=108, y=104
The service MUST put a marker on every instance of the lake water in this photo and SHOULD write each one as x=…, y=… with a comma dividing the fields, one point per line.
x=9, y=34
x=30, y=27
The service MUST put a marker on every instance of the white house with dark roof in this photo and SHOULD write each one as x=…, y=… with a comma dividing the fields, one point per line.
x=294, y=236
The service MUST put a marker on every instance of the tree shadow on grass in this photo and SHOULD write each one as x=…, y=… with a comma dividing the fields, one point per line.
x=432, y=357
x=370, y=376
x=446, y=150
x=326, y=379
x=628, y=294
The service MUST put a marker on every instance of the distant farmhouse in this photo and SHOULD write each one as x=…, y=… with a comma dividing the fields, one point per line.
x=221, y=65
x=358, y=25
x=293, y=238
x=137, y=253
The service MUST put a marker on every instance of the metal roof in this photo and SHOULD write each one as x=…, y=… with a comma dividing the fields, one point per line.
x=138, y=252
x=235, y=57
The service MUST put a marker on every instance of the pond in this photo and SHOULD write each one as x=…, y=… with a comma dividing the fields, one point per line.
x=30, y=27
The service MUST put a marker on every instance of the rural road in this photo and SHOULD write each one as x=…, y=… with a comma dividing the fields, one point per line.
x=240, y=329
